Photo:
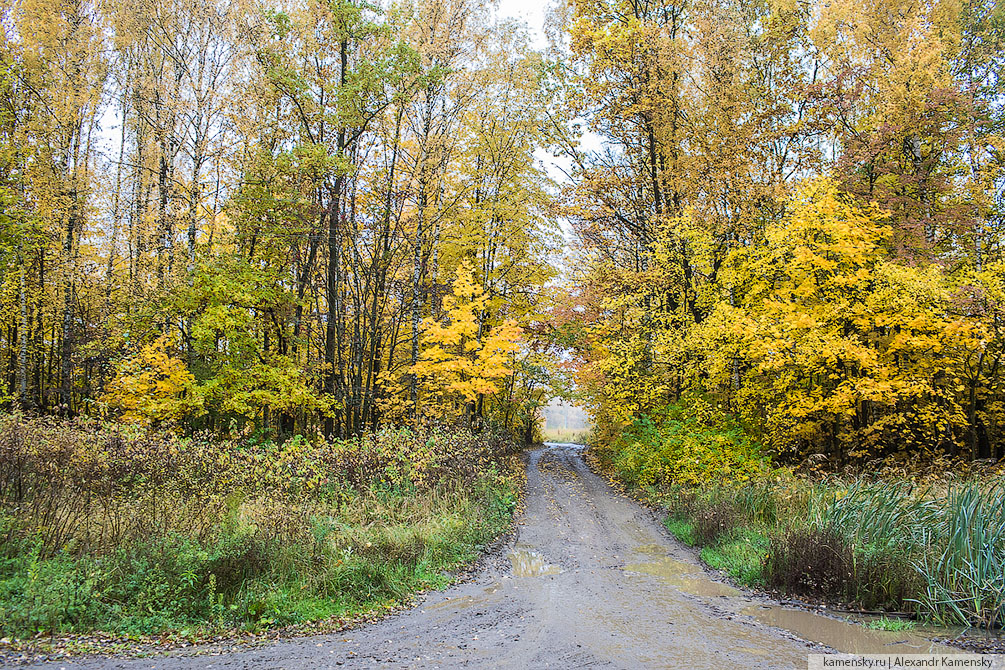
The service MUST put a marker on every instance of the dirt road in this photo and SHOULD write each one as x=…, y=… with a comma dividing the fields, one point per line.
x=592, y=581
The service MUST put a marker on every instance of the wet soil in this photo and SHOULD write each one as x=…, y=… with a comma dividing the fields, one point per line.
x=591, y=580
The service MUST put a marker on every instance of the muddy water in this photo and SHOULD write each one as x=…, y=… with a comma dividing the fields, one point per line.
x=461, y=602
x=528, y=563
x=683, y=576
x=850, y=638
x=591, y=581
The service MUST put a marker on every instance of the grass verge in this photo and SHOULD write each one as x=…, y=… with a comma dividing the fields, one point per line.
x=566, y=435
x=138, y=534
x=894, y=625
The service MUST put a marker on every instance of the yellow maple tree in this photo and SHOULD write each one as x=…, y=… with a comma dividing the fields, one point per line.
x=845, y=350
x=153, y=387
x=461, y=358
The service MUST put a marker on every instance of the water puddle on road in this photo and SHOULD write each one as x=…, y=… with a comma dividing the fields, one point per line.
x=463, y=602
x=667, y=568
x=683, y=576
x=843, y=636
x=460, y=602
x=704, y=587
x=531, y=564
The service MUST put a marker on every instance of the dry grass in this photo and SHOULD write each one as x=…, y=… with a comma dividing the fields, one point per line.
x=567, y=436
x=109, y=528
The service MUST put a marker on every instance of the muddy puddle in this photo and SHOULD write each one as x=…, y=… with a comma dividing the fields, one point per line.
x=683, y=576
x=846, y=637
x=461, y=602
x=464, y=602
x=651, y=550
x=527, y=563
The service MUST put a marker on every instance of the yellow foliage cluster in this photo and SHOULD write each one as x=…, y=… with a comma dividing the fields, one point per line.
x=153, y=387
x=840, y=344
x=459, y=362
x=796, y=217
x=819, y=338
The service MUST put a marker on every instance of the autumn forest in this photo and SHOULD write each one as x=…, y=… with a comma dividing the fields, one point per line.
x=222, y=216
x=344, y=250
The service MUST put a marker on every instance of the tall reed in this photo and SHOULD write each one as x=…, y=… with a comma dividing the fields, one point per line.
x=954, y=540
x=965, y=570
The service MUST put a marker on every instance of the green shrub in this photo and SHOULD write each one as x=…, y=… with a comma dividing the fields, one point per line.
x=686, y=447
x=38, y=595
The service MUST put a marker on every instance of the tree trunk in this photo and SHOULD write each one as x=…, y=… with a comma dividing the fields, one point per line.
x=65, y=360
x=332, y=332
x=417, y=260
x=22, y=354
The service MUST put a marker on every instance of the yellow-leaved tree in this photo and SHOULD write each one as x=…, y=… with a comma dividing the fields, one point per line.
x=462, y=360
x=845, y=352
x=153, y=387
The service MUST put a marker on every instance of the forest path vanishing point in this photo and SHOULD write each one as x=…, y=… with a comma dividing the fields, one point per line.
x=591, y=581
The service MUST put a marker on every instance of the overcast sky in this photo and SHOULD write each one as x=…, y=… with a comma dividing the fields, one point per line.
x=530, y=12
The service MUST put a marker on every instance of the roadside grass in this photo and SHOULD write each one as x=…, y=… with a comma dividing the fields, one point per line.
x=935, y=550
x=169, y=544
x=682, y=529
x=893, y=625
x=741, y=556
x=566, y=435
